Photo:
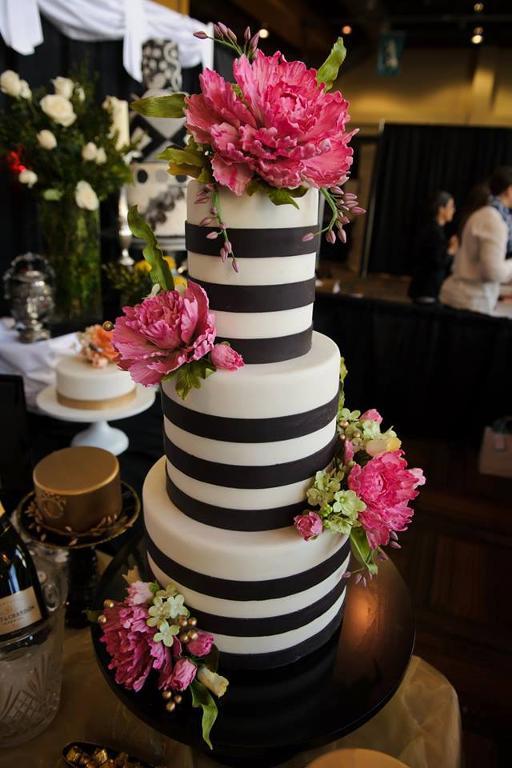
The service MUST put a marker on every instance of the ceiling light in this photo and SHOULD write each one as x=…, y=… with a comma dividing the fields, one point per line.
x=264, y=33
x=477, y=39
x=346, y=29
x=478, y=7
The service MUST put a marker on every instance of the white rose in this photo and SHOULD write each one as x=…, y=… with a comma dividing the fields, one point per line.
x=101, y=156
x=25, y=91
x=28, y=177
x=89, y=151
x=46, y=139
x=63, y=86
x=86, y=197
x=10, y=83
x=59, y=109
x=214, y=682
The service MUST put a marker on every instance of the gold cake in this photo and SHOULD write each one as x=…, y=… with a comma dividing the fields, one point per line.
x=78, y=488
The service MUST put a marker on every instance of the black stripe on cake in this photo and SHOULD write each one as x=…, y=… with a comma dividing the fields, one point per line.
x=242, y=476
x=249, y=430
x=233, y=519
x=253, y=243
x=272, y=350
x=230, y=589
x=270, y=625
x=259, y=298
x=256, y=661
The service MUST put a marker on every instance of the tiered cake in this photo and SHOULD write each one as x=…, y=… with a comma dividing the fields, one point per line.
x=242, y=450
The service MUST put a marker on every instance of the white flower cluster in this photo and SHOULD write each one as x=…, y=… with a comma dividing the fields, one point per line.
x=90, y=152
x=13, y=85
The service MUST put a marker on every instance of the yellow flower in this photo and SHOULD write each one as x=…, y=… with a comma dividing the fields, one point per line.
x=142, y=266
x=171, y=262
x=382, y=445
x=179, y=281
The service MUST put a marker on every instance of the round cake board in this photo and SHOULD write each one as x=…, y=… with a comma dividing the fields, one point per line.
x=100, y=434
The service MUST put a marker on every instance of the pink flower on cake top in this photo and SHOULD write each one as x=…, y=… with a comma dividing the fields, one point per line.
x=279, y=125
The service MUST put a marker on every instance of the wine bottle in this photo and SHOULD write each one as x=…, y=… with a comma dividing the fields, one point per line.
x=22, y=606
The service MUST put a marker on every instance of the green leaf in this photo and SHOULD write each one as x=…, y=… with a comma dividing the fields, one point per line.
x=281, y=197
x=182, y=156
x=361, y=549
x=52, y=194
x=297, y=191
x=172, y=105
x=190, y=375
x=201, y=697
x=160, y=273
x=328, y=72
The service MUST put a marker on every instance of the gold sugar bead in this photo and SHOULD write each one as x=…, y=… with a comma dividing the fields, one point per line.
x=108, y=603
x=108, y=325
x=167, y=695
x=344, y=424
x=193, y=635
x=182, y=621
x=178, y=699
x=356, y=434
x=192, y=622
x=170, y=706
x=102, y=619
x=184, y=637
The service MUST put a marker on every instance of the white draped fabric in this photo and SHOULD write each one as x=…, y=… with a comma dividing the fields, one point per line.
x=133, y=21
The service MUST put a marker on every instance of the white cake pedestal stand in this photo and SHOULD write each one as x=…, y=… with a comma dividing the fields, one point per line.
x=99, y=434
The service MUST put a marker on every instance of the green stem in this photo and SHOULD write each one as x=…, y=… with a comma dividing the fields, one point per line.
x=332, y=205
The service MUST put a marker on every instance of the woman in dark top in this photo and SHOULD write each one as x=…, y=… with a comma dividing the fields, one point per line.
x=435, y=252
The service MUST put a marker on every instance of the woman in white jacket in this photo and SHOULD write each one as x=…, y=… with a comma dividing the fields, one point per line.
x=480, y=264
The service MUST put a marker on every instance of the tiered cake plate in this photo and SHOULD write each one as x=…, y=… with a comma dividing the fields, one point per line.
x=265, y=718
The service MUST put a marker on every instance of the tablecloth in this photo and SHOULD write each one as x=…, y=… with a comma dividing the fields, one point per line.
x=420, y=725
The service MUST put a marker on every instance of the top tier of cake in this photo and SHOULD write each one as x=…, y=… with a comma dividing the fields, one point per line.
x=265, y=309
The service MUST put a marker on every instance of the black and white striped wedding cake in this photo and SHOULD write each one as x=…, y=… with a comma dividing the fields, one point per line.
x=242, y=450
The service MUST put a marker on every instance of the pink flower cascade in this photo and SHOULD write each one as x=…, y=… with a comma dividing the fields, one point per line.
x=166, y=331
x=281, y=125
x=386, y=486
x=129, y=643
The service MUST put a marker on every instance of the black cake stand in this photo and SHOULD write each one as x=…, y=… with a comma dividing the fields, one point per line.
x=267, y=717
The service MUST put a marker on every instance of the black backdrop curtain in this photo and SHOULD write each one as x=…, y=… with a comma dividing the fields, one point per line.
x=413, y=162
x=59, y=55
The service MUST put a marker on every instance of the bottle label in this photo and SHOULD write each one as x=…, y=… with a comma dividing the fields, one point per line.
x=18, y=611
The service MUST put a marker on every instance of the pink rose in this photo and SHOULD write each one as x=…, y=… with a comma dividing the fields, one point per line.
x=202, y=645
x=348, y=451
x=139, y=593
x=386, y=486
x=182, y=675
x=309, y=525
x=281, y=125
x=162, y=333
x=371, y=415
x=224, y=356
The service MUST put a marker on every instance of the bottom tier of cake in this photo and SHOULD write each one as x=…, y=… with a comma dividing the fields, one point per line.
x=268, y=596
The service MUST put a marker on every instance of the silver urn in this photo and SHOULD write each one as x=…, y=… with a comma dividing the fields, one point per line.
x=29, y=287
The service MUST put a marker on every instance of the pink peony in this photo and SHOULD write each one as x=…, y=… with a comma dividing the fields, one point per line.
x=371, y=415
x=386, y=486
x=129, y=643
x=224, y=356
x=162, y=333
x=139, y=593
x=348, y=451
x=309, y=525
x=281, y=126
x=202, y=645
x=183, y=674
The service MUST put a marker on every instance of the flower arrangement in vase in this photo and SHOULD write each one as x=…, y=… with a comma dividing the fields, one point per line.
x=70, y=152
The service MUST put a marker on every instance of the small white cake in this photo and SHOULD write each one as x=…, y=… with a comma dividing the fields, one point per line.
x=81, y=385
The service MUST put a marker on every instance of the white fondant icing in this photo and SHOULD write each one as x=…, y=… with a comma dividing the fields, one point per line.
x=251, y=609
x=239, y=498
x=269, y=390
x=246, y=645
x=250, y=454
x=255, y=211
x=235, y=555
x=264, y=271
x=263, y=325
x=79, y=380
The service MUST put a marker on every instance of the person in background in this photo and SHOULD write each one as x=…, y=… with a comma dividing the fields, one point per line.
x=500, y=179
x=480, y=264
x=435, y=252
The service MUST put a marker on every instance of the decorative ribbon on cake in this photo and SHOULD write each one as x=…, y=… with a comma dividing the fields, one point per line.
x=256, y=661
x=253, y=243
x=229, y=589
x=233, y=519
x=242, y=476
x=265, y=430
x=270, y=625
x=97, y=405
x=274, y=349
x=259, y=298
